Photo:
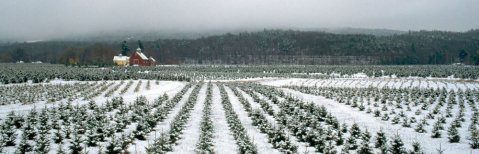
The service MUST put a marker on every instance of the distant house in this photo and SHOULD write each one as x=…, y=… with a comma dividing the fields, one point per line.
x=139, y=59
x=121, y=60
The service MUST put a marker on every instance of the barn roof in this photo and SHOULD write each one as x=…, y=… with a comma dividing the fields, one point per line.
x=152, y=59
x=142, y=56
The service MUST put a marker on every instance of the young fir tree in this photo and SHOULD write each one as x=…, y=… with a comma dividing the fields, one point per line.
x=91, y=138
x=43, y=143
x=66, y=132
x=355, y=131
x=60, y=149
x=436, y=132
x=8, y=134
x=384, y=149
x=397, y=146
x=420, y=128
x=474, y=138
x=29, y=129
x=24, y=146
x=345, y=149
x=340, y=138
x=396, y=120
x=141, y=129
x=352, y=143
x=161, y=145
x=113, y=147
x=75, y=144
x=381, y=139
x=330, y=148
x=406, y=122
x=365, y=148
x=58, y=136
x=344, y=128
x=453, y=135
x=416, y=148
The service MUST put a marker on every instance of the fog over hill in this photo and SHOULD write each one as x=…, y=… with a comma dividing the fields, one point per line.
x=26, y=20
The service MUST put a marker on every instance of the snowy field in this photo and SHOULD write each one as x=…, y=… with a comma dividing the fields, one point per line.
x=261, y=115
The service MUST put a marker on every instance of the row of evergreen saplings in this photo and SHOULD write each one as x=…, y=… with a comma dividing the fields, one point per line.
x=314, y=125
x=168, y=139
x=276, y=136
x=438, y=97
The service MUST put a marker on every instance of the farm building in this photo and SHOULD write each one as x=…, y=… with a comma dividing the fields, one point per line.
x=121, y=60
x=139, y=59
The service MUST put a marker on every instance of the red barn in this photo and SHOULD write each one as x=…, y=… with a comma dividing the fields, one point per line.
x=139, y=59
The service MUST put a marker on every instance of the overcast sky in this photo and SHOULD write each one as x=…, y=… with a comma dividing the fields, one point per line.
x=45, y=19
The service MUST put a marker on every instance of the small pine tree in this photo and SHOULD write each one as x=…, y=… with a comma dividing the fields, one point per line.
x=141, y=129
x=366, y=136
x=381, y=139
x=60, y=149
x=113, y=147
x=396, y=120
x=453, y=135
x=361, y=107
x=58, y=136
x=340, y=139
x=365, y=148
x=161, y=145
x=75, y=145
x=420, y=128
x=330, y=148
x=43, y=143
x=355, y=131
x=8, y=134
x=436, y=132
x=474, y=138
x=397, y=146
x=91, y=139
x=352, y=143
x=345, y=149
x=24, y=146
x=416, y=148
x=384, y=149
x=385, y=117
x=406, y=122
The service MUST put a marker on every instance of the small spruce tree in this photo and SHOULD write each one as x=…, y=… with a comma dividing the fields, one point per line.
x=381, y=139
x=453, y=135
x=474, y=138
x=397, y=146
x=416, y=148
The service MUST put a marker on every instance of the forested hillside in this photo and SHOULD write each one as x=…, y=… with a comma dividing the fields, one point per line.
x=267, y=47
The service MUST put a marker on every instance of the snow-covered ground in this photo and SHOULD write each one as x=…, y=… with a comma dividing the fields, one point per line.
x=139, y=146
x=223, y=139
x=259, y=139
x=376, y=82
x=168, y=87
x=347, y=114
x=191, y=134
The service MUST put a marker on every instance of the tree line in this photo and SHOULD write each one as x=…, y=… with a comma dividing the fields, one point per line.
x=265, y=47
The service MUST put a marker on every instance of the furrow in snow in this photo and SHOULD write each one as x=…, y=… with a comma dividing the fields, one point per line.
x=191, y=134
x=303, y=147
x=139, y=146
x=224, y=141
x=259, y=139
